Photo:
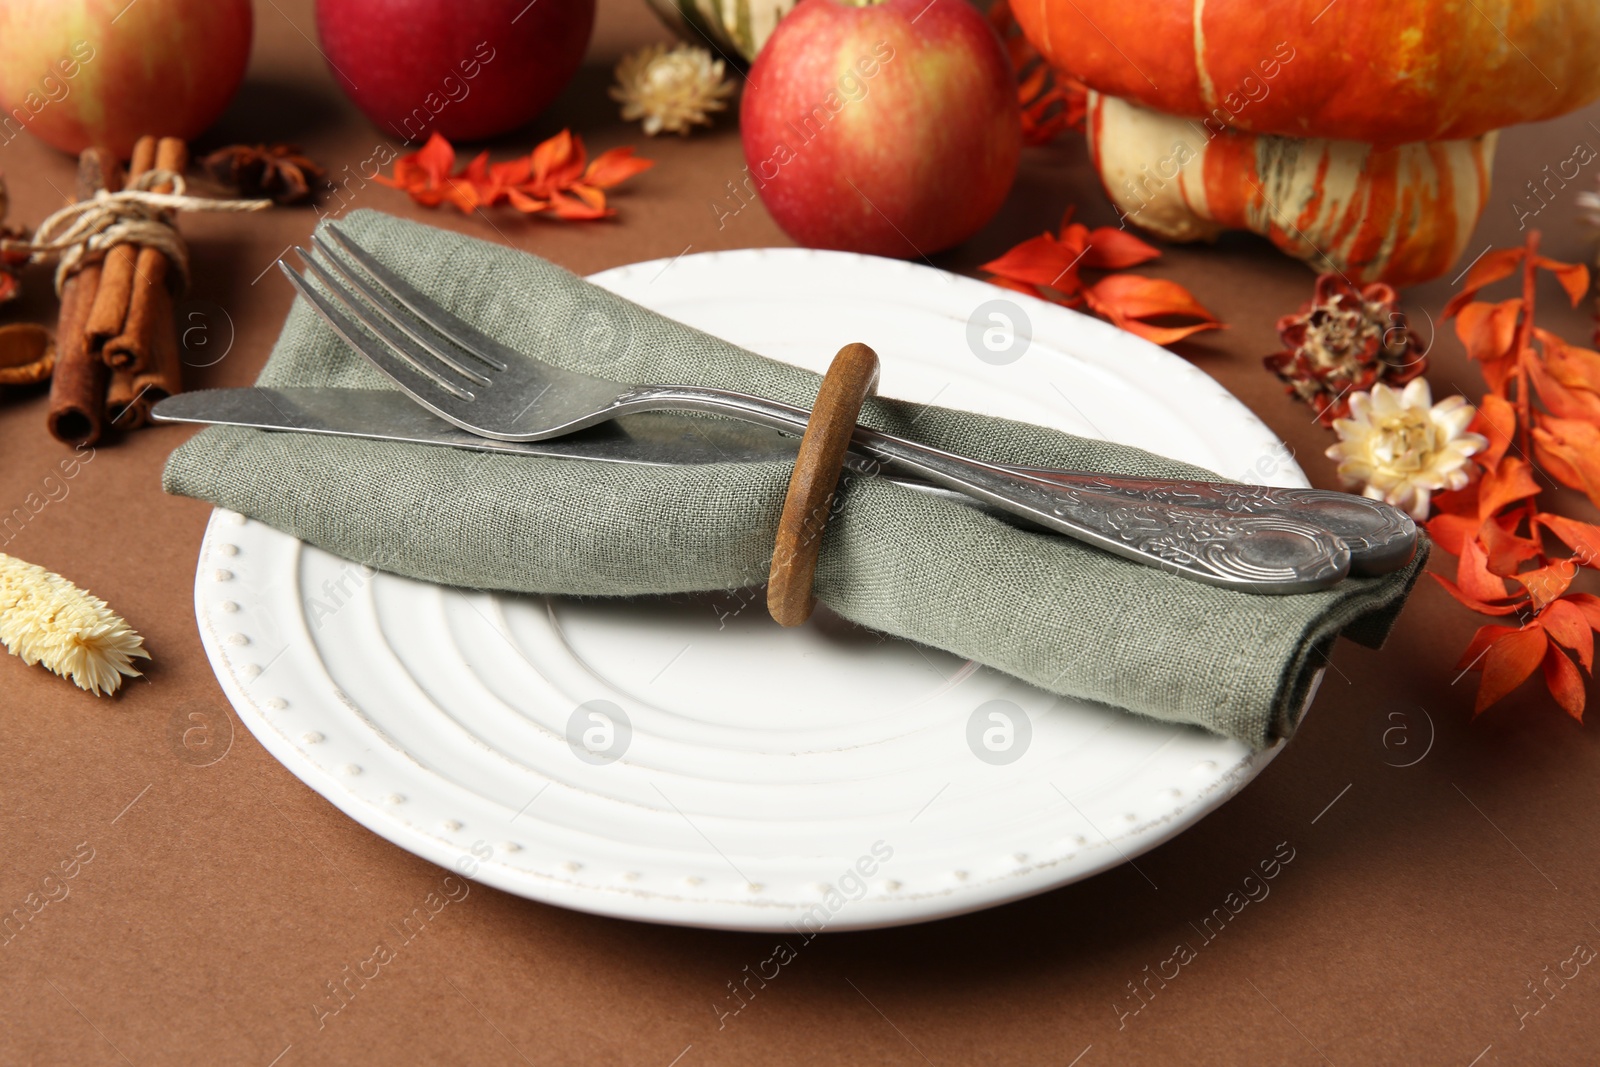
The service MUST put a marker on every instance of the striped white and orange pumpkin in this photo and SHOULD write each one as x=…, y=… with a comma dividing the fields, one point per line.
x=1357, y=134
x=1401, y=214
x=736, y=29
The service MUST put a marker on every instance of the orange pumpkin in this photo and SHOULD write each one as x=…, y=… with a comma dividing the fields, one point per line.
x=1381, y=71
x=1356, y=134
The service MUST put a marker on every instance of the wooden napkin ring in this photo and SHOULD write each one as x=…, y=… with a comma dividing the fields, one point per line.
x=851, y=378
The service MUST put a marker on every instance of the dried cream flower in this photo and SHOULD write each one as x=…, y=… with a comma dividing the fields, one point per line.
x=672, y=89
x=1589, y=207
x=1401, y=447
x=46, y=619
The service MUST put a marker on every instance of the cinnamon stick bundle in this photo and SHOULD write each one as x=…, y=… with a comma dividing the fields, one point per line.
x=78, y=387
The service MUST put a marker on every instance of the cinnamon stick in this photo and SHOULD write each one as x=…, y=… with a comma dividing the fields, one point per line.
x=148, y=344
x=111, y=300
x=78, y=387
x=126, y=406
x=165, y=374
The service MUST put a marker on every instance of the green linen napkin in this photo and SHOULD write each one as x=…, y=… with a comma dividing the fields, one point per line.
x=1072, y=619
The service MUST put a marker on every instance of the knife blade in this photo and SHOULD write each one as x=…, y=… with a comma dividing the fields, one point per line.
x=648, y=438
x=652, y=439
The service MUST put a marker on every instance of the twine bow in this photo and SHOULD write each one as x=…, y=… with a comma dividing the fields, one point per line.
x=137, y=215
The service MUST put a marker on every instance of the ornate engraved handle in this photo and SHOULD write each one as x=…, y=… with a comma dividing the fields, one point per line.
x=1231, y=539
x=1273, y=551
x=1381, y=537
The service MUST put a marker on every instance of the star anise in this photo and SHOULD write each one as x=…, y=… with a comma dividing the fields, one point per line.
x=277, y=171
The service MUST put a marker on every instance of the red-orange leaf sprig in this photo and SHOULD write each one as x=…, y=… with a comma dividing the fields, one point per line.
x=1047, y=266
x=1051, y=101
x=557, y=178
x=1541, y=416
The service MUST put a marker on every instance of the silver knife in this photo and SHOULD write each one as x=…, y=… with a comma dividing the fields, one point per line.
x=1378, y=541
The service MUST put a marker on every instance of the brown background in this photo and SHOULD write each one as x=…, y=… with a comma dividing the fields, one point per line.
x=218, y=904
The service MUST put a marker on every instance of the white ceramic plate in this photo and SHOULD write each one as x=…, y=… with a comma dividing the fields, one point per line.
x=762, y=778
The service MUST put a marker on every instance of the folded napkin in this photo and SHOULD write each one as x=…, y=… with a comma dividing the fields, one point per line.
x=1072, y=619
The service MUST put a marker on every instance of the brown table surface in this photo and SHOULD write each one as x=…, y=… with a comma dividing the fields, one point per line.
x=220, y=899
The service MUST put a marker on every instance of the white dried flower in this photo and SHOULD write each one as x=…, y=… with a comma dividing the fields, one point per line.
x=46, y=619
x=1401, y=447
x=673, y=89
x=1589, y=208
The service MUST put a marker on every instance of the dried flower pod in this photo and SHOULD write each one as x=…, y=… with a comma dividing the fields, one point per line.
x=1346, y=340
x=671, y=89
x=278, y=171
x=11, y=262
x=27, y=354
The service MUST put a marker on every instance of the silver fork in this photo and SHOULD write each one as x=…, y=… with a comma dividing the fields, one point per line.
x=1249, y=538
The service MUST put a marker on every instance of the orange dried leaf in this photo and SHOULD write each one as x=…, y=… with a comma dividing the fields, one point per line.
x=1041, y=260
x=1481, y=607
x=1545, y=584
x=512, y=171
x=1489, y=330
x=1587, y=603
x=1504, y=550
x=589, y=195
x=1462, y=501
x=526, y=204
x=431, y=163
x=1565, y=622
x=569, y=207
x=1487, y=635
x=1508, y=663
x=1574, y=277
x=1582, y=537
x=1569, y=449
x=1138, y=297
x=1109, y=248
x=1574, y=367
x=1493, y=266
x=1474, y=576
x=1511, y=481
x=1051, y=101
x=614, y=167
x=1452, y=532
x=555, y=156
x=1497, y=420
x=1563, y=402
x=1564, y=682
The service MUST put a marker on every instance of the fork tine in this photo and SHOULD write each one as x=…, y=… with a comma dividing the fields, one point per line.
x=460, y=332
x=430, y=390
x=421, y=358
x=381, y=301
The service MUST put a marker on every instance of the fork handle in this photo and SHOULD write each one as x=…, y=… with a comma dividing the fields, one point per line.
x=1262, y=549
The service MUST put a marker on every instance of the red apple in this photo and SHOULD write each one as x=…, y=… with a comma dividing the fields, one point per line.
x=467, y=68
x=105, y=72
x=889, y=128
